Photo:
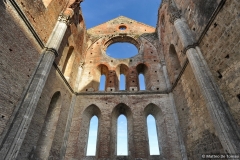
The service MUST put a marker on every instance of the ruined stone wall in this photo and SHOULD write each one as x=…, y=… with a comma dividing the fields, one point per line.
x=54, y=84
x=142, y=36
x=197, y=13
x=42, y=17
x=19, y=55
x=220, y=48
x=197, y=128
x=136, y=108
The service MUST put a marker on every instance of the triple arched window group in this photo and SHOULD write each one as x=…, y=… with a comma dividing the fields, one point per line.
x=122, y=129
x=127, y=78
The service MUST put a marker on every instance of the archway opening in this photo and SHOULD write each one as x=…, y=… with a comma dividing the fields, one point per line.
x=152, y=135
x=122, y=139
x=122, y=50
x=122, y=84
x=92, y=137
x=141, y=81
x=102, y=83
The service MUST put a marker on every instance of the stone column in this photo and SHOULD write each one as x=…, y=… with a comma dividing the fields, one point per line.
x=132, y=80
x=16, y=133
x=112, y=81
x=223, y=125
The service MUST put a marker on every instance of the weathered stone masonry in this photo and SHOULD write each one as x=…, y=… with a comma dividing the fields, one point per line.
x=50, y=79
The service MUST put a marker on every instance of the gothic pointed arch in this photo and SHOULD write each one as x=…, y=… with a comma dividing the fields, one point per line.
x=143, y=70
x=156, y=112
x=121, y=109
x=102, y=70
x=87, y=114
x=122, y=69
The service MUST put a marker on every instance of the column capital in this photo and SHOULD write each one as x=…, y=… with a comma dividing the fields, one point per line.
x=64, y=18
x=174, y=13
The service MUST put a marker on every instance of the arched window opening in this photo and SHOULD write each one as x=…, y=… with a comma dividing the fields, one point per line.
x=48, y=131
x=122, y=138
x=103, y=74
x=141, y=82
x=122, y=84
x=152, y=136
x=92, y=137
x=102, y=83
x=143, y=76
x=67, y=67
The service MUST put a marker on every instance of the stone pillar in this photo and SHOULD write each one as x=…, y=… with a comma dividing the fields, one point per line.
x=16, y=133
x=112, y=81
x=223, y=125
x=132, y=80
x=103, y=148
x=140, y=139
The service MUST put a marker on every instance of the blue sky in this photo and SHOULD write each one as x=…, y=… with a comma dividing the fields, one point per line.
x=122, y=50
x=96, y=12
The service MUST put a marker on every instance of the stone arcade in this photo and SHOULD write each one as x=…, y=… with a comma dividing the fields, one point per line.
x=50, y=69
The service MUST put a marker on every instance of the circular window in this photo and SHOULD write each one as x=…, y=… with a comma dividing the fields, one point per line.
x=122, y=50
x=122, y=27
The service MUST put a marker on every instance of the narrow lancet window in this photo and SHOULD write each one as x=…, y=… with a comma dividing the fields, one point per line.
x=102, y=83
x=122, y=84
x=122, y=139
x=152, y=136
x=92, y=137
x=141, y=81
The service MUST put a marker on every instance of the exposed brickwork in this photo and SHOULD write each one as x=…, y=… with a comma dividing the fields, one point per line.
x=186, y=127
x=17, y=62
x=54, y=84
x=196, y=125
x=42, y=18
x=136, y=33
x=195, y=122
x=197, y=13
x=223, y=58
x=135, y=109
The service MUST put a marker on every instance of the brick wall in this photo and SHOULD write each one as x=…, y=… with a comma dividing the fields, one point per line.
x=19, y=56
x=220, y=48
